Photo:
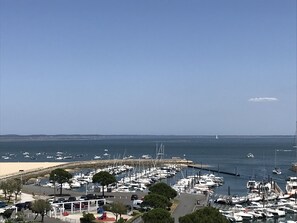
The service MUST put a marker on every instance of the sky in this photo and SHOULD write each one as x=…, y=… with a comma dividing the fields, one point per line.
x=159, y=67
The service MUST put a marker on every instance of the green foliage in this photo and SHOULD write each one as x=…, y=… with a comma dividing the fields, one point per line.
x=107, y=207
x=118, y=208
x=11, y=186
x=205, y=215
x=163, y=189
x=41, y=207
x=20, y=216
x=104, y=178
x=157, y=201
x=60, y=176
x=87, y=217
x=7, y=213
x=157, y=215
x=17, y=186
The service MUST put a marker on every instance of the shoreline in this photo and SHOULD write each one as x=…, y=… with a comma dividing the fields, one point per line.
x=15, y=169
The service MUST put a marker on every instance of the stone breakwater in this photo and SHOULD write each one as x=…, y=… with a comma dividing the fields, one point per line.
x=28, y=170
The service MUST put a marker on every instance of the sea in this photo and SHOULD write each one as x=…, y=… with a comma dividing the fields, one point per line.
x=224, y=153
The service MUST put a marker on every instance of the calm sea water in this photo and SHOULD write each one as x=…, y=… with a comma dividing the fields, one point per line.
x=227, y=153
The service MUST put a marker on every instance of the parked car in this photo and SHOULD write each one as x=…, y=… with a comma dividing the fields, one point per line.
x=28, y=205
x=71, y=199
x=83, y=197
x=137, y=204
x=61, y=200
x=90, y=196
x=2, y=204
x=134, y=197
x=20, y=206
x=67, y=206
x=83, y=205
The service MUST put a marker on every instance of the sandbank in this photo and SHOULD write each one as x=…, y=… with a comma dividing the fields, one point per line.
x=7, y=168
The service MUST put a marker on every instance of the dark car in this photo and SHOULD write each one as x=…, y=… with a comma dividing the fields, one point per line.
x=134, y=197
x=68, y=206
x=101, y=202
x=28, y=205
x=61, y=200
x=20, y=206
x=81, y=205
x=2, y=204
x=71, y=199
x=91, y=196
x=83, y=197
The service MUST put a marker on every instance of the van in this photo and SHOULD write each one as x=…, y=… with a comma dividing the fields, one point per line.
x=136, y=204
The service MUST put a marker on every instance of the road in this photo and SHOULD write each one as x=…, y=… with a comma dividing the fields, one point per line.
x=187, y=204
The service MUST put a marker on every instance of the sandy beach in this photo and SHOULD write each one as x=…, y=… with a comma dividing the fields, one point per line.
x=7, y=168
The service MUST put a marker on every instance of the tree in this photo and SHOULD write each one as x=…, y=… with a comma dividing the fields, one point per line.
x=87, y=217
x=118, y=208
x=157, y=215
x=17, y=186
x=156, y=201
x=207, y=214
x=104, y=179
x=163, y=189
x=4, y=187
x=11, y=188
x=60, y=176
x=41, y=207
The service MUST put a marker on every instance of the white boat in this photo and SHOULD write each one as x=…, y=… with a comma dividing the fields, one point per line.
x=231, y=216
x=75, y=184
x=250, y=155
x=276, y=170
x=146, y=156
x=252, y=184
x=291, y=186
x=276, y=212
x=97, y=157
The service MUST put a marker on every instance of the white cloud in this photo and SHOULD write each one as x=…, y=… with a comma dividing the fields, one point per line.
x=263, y=99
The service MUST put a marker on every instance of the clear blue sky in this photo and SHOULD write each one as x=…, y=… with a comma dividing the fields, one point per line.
x=148, y=67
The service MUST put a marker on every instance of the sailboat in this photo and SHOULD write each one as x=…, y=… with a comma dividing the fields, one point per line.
x=276, y=170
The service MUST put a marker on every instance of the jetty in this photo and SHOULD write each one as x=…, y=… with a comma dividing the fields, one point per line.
x=73, y=166
x=207, y=168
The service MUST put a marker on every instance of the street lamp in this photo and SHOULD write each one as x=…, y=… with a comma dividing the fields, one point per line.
x=54, y=186
x=87, y=188
x=21, y=173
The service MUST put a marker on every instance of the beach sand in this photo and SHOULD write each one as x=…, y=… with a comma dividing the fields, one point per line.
x=7, y=168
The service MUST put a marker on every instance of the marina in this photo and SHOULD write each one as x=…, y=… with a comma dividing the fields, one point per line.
x=198, y=161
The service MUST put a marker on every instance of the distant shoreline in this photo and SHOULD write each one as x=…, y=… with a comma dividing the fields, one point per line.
x=12, y=137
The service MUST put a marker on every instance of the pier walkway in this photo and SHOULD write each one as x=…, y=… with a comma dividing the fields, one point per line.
x=203, y=167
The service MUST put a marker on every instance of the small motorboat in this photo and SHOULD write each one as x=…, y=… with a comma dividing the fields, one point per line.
x=250, y=155
x=277, y=171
